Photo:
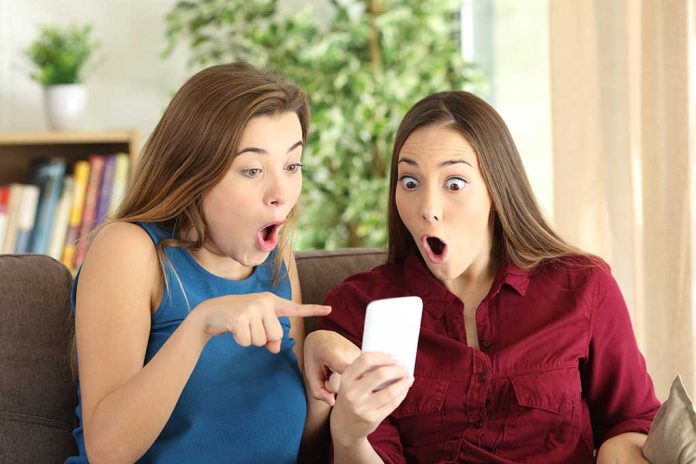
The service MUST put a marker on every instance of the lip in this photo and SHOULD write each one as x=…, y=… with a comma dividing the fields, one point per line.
x=267, y=244
x=432, y=257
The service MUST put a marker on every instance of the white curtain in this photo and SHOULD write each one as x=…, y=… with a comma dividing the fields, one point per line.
x=623, y=106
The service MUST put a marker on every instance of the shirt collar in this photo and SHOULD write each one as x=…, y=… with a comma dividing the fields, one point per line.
x=512, y=276
x=438, y=299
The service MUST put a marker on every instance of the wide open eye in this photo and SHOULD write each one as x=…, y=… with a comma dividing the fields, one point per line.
x=409, y=183
x=455, y=183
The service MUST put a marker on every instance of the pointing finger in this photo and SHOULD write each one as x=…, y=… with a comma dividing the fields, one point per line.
x=292, y=309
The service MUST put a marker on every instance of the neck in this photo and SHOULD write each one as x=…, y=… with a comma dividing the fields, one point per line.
x=476, y=279
x=214, y=261
x=220, y=265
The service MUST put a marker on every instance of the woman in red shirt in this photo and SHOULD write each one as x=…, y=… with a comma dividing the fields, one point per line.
x=526, y=351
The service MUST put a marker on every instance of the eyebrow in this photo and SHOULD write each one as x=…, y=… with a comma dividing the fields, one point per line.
x=411, y=162
x=261, y=151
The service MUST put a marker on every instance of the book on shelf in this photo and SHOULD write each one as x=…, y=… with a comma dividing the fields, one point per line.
x=105, y=189
x=50, y=182
x=25, y=217
x=81, y=178
x=60, y=222
x=4, y=203
x=89, y=215
x=15, y=191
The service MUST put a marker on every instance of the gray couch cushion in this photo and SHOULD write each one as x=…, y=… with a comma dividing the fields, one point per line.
x=37, y=396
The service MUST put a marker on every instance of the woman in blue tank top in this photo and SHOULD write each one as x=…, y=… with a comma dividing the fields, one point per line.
x=187, y=308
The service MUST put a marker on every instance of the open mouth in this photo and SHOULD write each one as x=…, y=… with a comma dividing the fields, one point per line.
x=437, y=245
x=267, y=237
x=435, y=248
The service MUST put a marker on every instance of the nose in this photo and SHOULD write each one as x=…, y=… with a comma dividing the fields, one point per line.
x=277, y=189
x=431, y=207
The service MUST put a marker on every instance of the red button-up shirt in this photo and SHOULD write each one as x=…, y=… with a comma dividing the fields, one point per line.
x=558, y=372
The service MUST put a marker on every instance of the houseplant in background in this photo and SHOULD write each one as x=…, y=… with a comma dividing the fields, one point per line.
x=362, y=68
x=59, y=56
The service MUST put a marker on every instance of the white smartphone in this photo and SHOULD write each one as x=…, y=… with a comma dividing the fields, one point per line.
x=392, y=326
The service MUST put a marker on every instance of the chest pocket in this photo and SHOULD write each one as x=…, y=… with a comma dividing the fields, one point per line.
x=545, y=410
x=419, y=417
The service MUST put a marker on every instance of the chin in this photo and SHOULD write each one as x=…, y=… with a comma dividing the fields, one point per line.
x=256, y=259
x=249, y=258
x=446, y=271
x=443, y=273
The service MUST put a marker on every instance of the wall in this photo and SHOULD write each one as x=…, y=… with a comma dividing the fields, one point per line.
x=128, y=88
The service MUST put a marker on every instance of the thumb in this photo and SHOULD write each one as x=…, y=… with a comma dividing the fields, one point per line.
x=336, y=364
x=273, y=347
x=334, y=383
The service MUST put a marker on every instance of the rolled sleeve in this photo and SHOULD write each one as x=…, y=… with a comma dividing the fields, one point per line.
x=616, y=384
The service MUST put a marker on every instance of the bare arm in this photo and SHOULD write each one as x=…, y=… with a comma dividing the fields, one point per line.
x=624, y=448
x=125, y=405
x=359, y=452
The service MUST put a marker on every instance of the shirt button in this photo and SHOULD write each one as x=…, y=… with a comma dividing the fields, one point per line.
x=477, y=424
x=486, y=343
x=482, y=377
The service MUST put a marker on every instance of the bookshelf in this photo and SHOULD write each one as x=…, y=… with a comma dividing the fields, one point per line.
x=18, y=150
x=55, y=187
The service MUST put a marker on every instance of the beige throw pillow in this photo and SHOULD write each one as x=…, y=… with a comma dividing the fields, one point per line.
x=672, y=437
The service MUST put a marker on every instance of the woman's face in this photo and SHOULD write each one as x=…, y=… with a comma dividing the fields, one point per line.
x=443, y=201
x=247, y=207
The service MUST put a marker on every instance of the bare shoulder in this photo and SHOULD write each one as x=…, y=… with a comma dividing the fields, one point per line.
x=119, y=243
x=121, y=256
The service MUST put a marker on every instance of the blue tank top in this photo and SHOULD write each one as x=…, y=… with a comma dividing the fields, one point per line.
x=241, y=404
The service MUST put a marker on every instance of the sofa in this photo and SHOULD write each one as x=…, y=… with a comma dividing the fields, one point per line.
x=37, y=391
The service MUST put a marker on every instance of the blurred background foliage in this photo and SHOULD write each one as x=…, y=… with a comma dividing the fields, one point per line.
x=362, y=69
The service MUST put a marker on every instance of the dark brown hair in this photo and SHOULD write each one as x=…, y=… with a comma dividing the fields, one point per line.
x=522, y=235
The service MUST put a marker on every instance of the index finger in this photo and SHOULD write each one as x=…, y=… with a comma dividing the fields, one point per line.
x=291, y=309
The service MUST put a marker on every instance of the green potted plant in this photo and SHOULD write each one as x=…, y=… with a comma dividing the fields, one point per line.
x=59, y=56
x=362, y=66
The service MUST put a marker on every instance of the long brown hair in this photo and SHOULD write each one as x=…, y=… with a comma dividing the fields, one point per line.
x=521, y=233
x=193, y=146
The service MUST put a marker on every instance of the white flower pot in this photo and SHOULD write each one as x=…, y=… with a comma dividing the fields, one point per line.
x=65, y=105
